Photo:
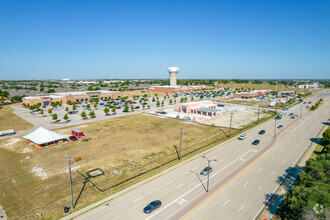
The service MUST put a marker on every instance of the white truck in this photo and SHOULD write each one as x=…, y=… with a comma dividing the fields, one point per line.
x=8, y=132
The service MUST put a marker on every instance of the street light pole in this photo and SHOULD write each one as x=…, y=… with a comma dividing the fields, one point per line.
x=258, y=114
x=275, y=117
x=231, y=118
x=301, y=110
x=181, y=133
x=69, y=163
x=208, y=173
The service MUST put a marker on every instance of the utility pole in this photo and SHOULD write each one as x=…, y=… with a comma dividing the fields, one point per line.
x=258, y=114
x=208, y=173
x=69, y=163
x=181, y=133
x=231, y=118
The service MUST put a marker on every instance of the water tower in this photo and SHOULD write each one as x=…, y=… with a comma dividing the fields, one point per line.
x=173, y=71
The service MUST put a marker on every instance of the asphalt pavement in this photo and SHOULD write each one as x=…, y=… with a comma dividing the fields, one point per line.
x=243, y=178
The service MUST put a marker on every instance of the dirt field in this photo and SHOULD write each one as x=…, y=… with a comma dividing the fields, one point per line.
x=240, y=118
x=8, y=120
x=36, y=181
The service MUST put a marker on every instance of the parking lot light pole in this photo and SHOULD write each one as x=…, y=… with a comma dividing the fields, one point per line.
x=69, y=163
x=208, y=173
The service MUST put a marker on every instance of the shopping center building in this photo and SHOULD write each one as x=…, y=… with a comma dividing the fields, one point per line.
x=65, y=97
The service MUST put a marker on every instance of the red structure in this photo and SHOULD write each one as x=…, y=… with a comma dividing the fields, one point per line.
x=77, y=133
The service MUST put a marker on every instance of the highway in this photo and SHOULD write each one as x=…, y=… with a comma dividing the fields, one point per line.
x=242, y=175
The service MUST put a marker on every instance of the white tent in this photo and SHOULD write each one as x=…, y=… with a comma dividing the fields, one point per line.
x=42, y=136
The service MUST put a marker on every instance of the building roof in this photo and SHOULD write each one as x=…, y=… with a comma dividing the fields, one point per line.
x=42, y=136
x=208, y=110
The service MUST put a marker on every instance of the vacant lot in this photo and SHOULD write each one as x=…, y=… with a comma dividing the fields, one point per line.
x=36, y=181
x=8, y=120
x=240, y=118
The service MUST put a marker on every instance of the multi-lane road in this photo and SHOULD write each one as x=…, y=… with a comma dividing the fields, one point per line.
x=243, y=177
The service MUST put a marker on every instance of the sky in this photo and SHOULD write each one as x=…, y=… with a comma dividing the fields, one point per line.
x=95, y=39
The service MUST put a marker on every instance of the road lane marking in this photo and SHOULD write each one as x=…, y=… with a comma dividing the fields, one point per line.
x=241, y=207
x=181, y=201
x=171, y=181
x=198, y=185
x=272, y=173
x=178, y=186
x=221, y=160
x=246, y=184
x=226, y=202
x=138, y=199
x=260, y=170
x=259, y=187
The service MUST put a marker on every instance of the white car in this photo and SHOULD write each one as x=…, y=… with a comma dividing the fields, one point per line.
x=242, y=137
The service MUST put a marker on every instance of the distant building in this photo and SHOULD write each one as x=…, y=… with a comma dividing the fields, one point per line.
x=64, y=97
x=251, y=95
x=312, y=86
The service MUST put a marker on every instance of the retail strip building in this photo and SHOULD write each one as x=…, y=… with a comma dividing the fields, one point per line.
x=64, y=97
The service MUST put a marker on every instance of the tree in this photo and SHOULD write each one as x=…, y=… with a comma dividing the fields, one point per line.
x=66, y=117
x=67, y=109
x=69, y=102
x=153, y=99
x=90, y=88
x=95, y=105
x=50, y=111
x=126, y=108
x=192, y=98
x=54, y=104
x=132, y=108
x=148, y=106
x=185, y=99
x=140, y=101
x=201, y=97
x=326, y=136
x=143, y=106
x=41, y=111
x=106, y=110
x=74, y=107
x=163, y=103
x=113, y=110
x=54, y=116
x=91, y=113
x=59, y=104
x=158, y=104
x=83, y=114
x=171, y=101
x=88, y=106
x=145, y=95
x=51, y=91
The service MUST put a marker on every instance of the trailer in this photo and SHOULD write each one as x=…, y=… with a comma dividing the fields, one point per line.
x=8, y=132
x=77, y=133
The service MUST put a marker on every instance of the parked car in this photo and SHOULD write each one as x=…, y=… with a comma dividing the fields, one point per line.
x=152, y=206
x=291, y=114
x=285, y=109
x=256, y=142
x=118, y=107
x=294, y=117
x=242, y=137
x=73, y=138
x=280, y=126
x=262, y=132
x=206, y=170
x=136, y=107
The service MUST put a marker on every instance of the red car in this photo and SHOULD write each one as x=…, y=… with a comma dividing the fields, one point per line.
x=73, y=138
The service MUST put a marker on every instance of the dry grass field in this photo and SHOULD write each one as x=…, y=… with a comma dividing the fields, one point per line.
x=8, y=120
x=36, y=181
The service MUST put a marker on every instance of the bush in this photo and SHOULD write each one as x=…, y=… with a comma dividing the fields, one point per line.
x=51, y=91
